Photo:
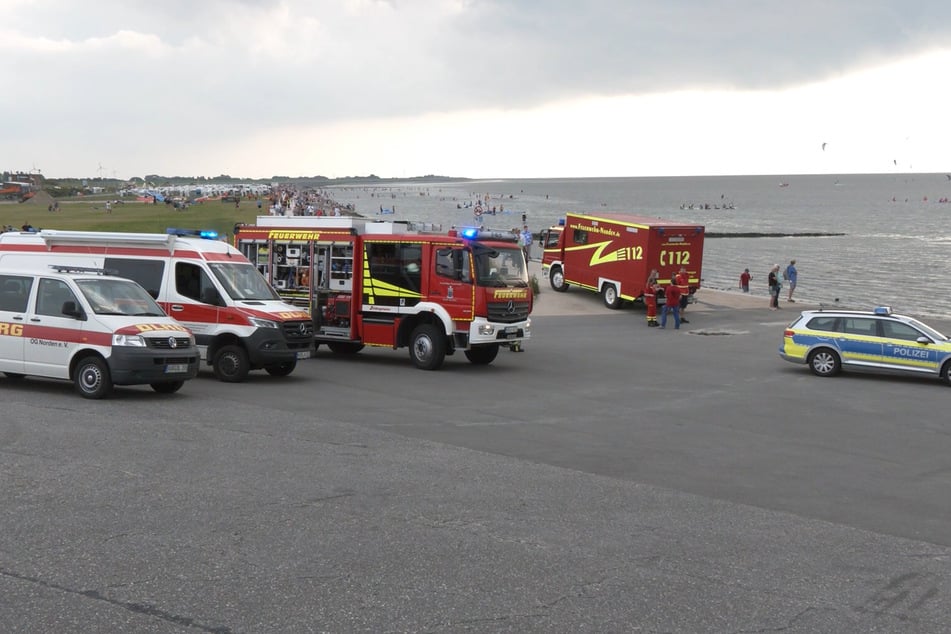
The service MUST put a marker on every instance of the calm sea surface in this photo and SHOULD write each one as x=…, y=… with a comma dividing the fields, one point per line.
x=896, y=247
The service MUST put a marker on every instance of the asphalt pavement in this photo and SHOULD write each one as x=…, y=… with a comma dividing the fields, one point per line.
x=611, y=478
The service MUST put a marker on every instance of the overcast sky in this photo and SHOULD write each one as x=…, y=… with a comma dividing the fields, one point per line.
x=476, y=88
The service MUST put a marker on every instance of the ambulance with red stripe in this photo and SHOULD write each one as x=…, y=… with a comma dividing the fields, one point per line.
x=92, y=329
x=239, y=322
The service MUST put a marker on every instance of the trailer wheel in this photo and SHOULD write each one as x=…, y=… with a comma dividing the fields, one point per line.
x=427, y=347
x=482, y=355
x=556, y=278
x=281, y=369
x=610, y=296
x=344, y=347
x=231, y=364
x=91, y=378
x=167, y=387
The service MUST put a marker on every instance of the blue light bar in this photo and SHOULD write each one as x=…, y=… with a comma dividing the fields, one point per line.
x=470, y=233
x=883, y=310
x=207, y=234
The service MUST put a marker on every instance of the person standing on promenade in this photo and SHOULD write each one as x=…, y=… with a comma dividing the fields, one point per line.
x=790, y=276
x=683, y=284
x=775, y=286
x=526, y=242
x=650, y=298
x=671, y=304
x=745, y=278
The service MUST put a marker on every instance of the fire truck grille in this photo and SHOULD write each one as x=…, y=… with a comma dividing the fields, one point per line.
x=165, y=343
x=508, y=313
x=296, y=331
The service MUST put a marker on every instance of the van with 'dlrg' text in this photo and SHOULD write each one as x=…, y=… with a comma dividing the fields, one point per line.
x=95, y=330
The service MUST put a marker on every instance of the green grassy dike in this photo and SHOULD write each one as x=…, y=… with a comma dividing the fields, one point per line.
x=89, y=214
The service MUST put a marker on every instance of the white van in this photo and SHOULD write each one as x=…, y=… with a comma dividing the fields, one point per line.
x=239, y=322
x=95, y=330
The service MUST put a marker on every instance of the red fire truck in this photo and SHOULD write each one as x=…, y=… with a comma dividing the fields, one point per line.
x=395, y=285
x=612, y=254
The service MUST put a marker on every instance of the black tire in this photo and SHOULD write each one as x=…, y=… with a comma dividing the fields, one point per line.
x=344, y=347
x=427, y=347
x=610, y=296
x=483, y=355
x=167, y=387
x=824, y=362
x=91, y=378
x=14, y=375
x=556, y=277
x=946, y=373
x=281, y=369
x=231, y=364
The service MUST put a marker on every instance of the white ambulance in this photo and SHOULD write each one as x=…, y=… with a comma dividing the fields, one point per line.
x=239, y=322
x=95, y=330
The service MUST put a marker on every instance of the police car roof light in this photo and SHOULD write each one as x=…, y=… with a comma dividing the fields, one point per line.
x=883, y=310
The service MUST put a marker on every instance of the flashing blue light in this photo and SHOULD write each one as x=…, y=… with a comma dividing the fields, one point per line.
x=561, y=222
x=883, y=310
x=207, y=234
x=470, y=233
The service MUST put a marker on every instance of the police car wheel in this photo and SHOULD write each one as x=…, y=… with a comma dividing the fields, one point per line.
x=610, y=296
x=92, y=379
x=824, y=362
x=231, y=364
x=14, y=375
x=557, y=279
x=946, y=373
x=167, y=387
x=281, y=369
x=427, y=347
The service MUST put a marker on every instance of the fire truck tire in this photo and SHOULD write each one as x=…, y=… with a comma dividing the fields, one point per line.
x=610, y=296
x=281, y=369
x=427, y=347
x=231, y=364
x=91, y=378
x=483, y=355
x=167, y=387
x=556, y=278
x=344, y=347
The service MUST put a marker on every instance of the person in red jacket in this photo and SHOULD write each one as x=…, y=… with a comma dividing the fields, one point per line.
x=671, y=304
x=683, y=283
x=650, y=298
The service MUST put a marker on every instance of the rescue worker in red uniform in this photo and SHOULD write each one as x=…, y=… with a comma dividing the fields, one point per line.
x=650, y=298
x=682, y=280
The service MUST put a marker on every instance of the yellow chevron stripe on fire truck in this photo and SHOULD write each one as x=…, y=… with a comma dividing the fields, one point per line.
x=373, y=288
x=622, y=254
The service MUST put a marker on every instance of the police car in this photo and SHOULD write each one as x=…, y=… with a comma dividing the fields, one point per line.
x=876, y=340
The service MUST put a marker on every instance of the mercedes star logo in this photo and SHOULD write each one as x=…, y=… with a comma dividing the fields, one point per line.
x=510, y=307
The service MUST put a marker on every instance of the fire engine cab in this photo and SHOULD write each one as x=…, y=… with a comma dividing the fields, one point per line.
x=239, y=322
x=396, y=285
x=612, y=254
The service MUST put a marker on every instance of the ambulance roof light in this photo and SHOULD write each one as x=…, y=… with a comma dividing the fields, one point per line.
x=206, y=234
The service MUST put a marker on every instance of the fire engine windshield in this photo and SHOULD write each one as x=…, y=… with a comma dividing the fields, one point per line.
x=500, y=267
x=243, y=282
x=118, y=297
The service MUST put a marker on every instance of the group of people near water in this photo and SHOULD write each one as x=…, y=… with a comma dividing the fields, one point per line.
x=775, y=281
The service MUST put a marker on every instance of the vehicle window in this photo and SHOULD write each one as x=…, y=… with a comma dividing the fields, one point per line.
x=51, y=297
x=551, y=239
x=118, y=297
x=453, y=263
x=898, y=330
x=825, y=323
x=579, y=236
x=15, y=292
x=860, y=326
x=192, y=282
x=396, y=264
x=148, y=273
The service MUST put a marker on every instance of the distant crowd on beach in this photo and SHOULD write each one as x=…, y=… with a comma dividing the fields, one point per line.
x=291, y=201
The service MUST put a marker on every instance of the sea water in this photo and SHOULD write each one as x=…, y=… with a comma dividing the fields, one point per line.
x=894, y=248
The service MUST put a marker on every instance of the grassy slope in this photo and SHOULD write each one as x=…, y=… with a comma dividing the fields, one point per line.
x=90, y=215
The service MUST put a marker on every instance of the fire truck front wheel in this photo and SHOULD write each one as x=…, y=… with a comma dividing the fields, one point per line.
x=427, y=347
x=483, y=355
x=610, y=296
x=556, y=277
x=231, y=364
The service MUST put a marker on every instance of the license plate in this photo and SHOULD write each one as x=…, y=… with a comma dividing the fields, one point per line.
x=511, y=330
x=176, y=368
x=303, y=355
